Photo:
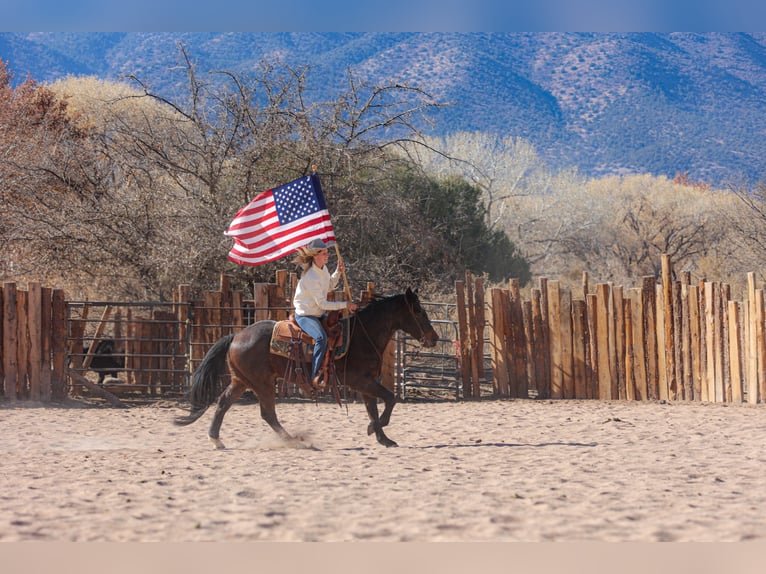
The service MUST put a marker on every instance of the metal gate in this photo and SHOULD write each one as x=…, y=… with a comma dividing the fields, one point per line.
x=435, y=372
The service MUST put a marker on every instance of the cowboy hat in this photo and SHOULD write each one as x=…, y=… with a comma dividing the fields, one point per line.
x=315, y=246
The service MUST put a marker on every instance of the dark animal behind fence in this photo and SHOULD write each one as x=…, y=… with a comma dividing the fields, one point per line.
x=105, y=360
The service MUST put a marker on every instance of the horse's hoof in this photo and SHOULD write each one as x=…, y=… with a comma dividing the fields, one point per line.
x=217, y=443
x=370, y=429
x=384, y=440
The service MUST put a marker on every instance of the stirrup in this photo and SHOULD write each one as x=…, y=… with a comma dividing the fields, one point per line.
x=319, y=382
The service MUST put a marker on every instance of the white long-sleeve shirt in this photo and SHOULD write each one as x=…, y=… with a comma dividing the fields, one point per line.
x=311, y=293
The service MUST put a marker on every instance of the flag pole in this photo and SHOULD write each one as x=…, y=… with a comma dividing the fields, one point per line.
x=337, y=252
x=343, y=272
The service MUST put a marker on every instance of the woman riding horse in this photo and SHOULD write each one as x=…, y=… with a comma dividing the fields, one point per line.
x=310, y=300
x=253, y=366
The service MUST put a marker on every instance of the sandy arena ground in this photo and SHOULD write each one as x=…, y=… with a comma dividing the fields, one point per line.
x=497, y=471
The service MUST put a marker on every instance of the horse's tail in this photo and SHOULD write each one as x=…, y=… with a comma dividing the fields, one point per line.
x=205, y=387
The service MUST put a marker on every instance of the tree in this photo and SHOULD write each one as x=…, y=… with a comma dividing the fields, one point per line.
x=746, y=219
x=618, y=227
x=140, y=187
x=453, y=211
x=503, y=168
x=36, y=135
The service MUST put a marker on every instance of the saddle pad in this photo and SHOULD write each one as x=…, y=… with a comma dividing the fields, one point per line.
x=285, y=335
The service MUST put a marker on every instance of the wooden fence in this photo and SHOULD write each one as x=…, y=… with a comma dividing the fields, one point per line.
x=666, y=340
x=43, y=337
x=663, y=340
x=32, y=348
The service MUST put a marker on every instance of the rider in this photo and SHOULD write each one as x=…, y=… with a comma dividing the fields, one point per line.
x=310, y=299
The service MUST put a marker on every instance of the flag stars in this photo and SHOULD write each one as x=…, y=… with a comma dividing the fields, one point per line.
x=295, y=200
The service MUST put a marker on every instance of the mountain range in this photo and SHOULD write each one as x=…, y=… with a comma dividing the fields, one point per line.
x=659, y=103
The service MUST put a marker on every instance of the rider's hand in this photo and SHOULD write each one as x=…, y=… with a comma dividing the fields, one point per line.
x=351, y=306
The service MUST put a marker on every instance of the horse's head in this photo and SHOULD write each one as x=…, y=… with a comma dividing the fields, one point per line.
x=416, y=322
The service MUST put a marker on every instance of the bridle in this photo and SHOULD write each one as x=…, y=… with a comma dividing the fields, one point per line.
x=411, y=309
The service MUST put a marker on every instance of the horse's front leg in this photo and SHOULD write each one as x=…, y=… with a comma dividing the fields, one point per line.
x=372, y=392
x=390, y=400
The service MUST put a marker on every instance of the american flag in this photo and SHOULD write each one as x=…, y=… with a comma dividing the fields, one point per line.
x=278, y=221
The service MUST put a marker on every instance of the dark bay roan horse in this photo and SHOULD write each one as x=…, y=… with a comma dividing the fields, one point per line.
x=253, y=366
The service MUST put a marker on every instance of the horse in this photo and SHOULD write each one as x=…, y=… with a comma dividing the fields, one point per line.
x=252, y=366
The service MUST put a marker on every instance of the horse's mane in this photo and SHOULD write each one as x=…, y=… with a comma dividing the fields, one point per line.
x=380, y=301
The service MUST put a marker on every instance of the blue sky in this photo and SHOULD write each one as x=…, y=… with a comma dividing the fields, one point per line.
x=382, y=15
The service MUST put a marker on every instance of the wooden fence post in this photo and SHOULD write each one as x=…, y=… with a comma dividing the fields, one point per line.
x=725, y=349
x=478, y=293
x=529, y=347
x=735, y=362
x=554, y=338
x=718, y=392
x=225, y=303
x=58, y=345
x=10, y=341
x=760, y=342
x=497, y=343
x=677, y=339
x=261, y=301
x=465, y=355
x=708, y=392
x=685, y=331
x=605, y=374
x=22, y=337
x=471, y=341
x=35, y=354
x=565, y=340
x=183, y=299
x=660, y=334
x=545, y=339
x=695, y=347
x=641, y=347
x=617, y=342
x=649, y=335
x=752, y=344
x=627, y=315
x=519, y=386
x=2, y=338
x=669, y=346
x=46, y=333
x=579, y=347
x=591, y=305
x=542, y=356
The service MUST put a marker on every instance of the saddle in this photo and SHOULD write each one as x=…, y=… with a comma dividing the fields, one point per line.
x=287, y=333
x=290, y=341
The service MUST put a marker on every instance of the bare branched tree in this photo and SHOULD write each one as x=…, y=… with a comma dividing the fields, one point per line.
x=139, y=186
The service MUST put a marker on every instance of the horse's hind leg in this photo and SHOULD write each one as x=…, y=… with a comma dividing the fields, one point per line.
x=227, y=398
x=268, y=402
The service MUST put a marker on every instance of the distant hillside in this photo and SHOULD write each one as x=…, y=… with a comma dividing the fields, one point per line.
x=606, y=103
